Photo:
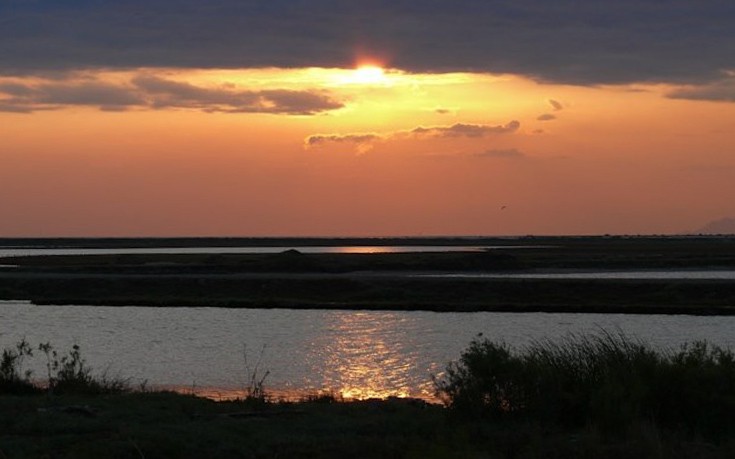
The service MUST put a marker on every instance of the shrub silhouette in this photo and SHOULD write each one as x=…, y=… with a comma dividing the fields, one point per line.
x=605, y=380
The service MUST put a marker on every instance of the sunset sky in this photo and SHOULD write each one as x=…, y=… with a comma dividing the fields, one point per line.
x=365, y=118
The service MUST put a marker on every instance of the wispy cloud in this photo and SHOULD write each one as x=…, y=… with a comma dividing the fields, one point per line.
x=556, y=105
x=722, y=90
x=163, y=93
x=465, y=130
x=146, y=91
x=51, y=96
x=364, y=141
x=546, y=117
x=317, y=139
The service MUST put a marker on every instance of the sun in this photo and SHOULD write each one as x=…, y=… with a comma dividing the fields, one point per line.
x=369, y=74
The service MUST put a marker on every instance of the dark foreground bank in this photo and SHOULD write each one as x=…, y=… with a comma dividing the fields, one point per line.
x=167, y=425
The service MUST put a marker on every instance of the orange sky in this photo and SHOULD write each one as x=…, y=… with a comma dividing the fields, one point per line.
x=321, y=152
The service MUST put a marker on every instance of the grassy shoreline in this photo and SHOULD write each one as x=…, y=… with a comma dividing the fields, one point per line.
x=169, y=425
x=591, y=397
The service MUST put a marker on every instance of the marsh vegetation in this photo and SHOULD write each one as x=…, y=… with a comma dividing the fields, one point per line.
x=385, y=281
x=602, y=396
x=607, y=381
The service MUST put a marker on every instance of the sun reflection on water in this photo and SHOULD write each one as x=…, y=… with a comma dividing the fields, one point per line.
x=362, y=361
x=352, y=355
x=368, y=249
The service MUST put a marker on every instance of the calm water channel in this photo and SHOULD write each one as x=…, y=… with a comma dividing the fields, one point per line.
x=355, y=353
x=668, y=274
x=34, y=251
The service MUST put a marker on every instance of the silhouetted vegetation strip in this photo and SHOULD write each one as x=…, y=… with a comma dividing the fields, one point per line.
x=451, y=295
x=286, y=262
x=607, y=381
x=538, y=253
x=65, y=373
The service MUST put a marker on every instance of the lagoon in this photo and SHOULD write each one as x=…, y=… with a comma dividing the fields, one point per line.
x=357, y=354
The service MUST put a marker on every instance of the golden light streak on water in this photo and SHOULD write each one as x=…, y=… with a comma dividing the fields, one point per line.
x=364, y=362
x=220, y=394
x=361, y=355
x=368, y=249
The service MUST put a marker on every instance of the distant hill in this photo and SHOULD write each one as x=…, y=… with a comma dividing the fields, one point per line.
x=722, y=226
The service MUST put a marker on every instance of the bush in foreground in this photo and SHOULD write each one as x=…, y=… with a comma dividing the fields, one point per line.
x=605, y=380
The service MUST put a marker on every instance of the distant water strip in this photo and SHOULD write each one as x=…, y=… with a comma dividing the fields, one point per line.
x=612, y=275
x=27, y=252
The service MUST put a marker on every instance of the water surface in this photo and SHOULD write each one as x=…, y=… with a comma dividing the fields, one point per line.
x=354, y=353
x=34, y=251
x=669, y=274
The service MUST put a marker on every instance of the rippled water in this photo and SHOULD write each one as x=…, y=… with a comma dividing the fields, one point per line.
x=355, y=353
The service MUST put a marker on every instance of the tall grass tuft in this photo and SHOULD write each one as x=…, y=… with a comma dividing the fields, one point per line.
x=66, y=374
x=13, y=379
x=255, y=392
x=606, y=380
x=697, y=389
x=69, y=374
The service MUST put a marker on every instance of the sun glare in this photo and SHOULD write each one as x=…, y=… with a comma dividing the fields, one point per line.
x=369, y=74
x=365, y=75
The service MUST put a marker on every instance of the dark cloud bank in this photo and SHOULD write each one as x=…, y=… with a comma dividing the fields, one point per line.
x=569, y=41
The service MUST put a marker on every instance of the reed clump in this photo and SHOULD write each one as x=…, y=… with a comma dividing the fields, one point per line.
x=606, y=380
x=14, y=378
x=65, y=373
